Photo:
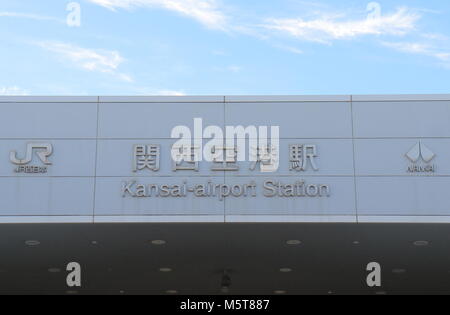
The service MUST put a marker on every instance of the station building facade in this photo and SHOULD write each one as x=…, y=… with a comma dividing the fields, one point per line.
x=341, y=159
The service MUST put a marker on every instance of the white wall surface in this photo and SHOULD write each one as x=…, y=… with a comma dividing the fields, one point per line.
x=362, y=143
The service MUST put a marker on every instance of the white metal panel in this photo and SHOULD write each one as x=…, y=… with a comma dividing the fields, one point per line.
x=401, y=119
x=296, y=120
x=46, y=196
x=403, y=196
x=154, y=120
x=48, y=120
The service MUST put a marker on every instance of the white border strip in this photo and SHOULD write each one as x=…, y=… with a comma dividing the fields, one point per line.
x=401, y=98
x=45, y=219
x=161, y=99
x=287, y=98
x=220, y=219
x=227, y=99
x=159, y=219
x=404, y=219
x=290, y=219
x=48, y=99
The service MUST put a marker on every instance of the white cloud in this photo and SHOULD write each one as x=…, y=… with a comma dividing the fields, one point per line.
x=291, y=49
x=170, y=93
x=234, y=68
x=435, y=36
x=125, y=77
x=421, y=49
x=206, y=12
x=96, y=60
x=13, y=90
x=139, y=90
x=30, y=16
x=325, y=29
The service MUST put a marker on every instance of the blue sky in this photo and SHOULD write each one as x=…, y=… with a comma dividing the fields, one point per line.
x=208, y=47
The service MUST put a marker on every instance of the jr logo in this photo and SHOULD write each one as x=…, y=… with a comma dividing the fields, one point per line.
x=43, y=151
